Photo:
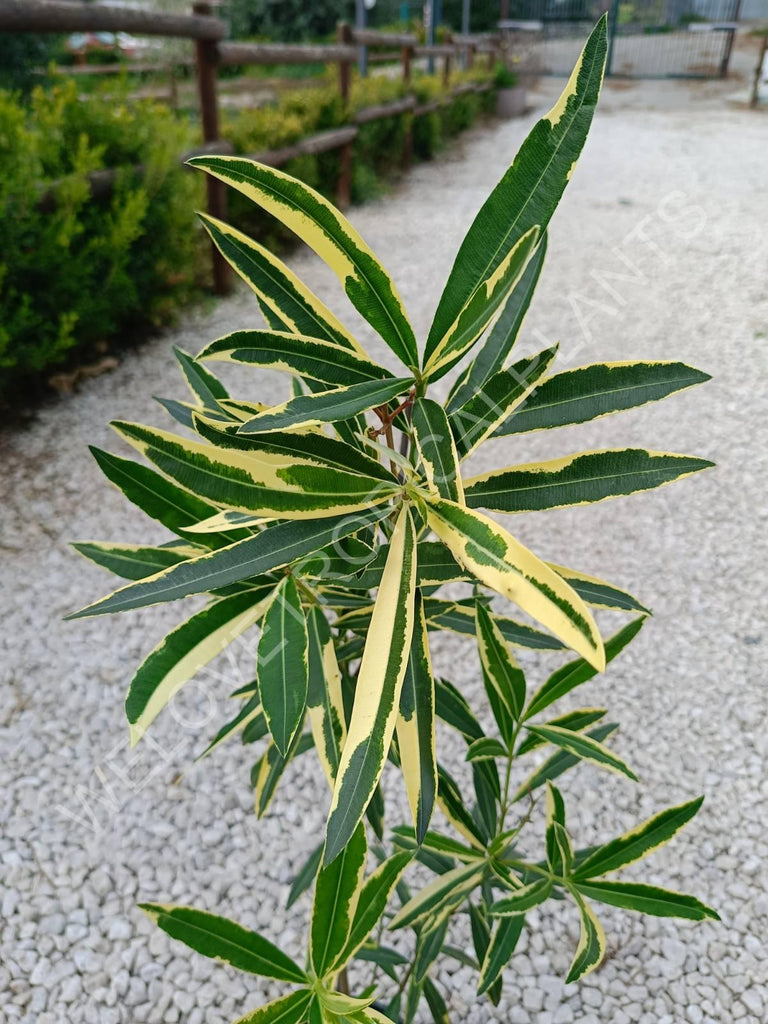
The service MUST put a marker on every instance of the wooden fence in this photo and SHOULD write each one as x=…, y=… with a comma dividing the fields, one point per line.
x=212, y=51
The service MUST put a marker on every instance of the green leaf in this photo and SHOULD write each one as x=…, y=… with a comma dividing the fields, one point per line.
x=132, y=561
x=368, y=286
x=501, y=339
x=250, y=713
x=282, y=666
x=500, y=951
x=379, y=685
x=429, y=945
x=477, y=419
x=160, y=499
x=205, y=388
x=336, y=897
x=460, y=618
x=530, y=190
x=285, y=300
x=324, y=699
x=589, y=392
x=269, y=483
x=646, y=899
x=220, y=939
x=578, y=479
x=639, y=841
x=485, y=748
x=416, y=726
x=559, y=763
x=451, y=706
x=523, y=899
x=501, y=562
x=315, y=358
x=584, y=747
x=451, y=803
x=306, y=875
x=591, y=948
x=268, y=770
x=271, y=549
x=290, y=1009
x=480, y=307
x=404, y=835
x=574, y=720
x=599, y=594
x=374, y=897
x=326, y=406
x=559, y=852
x=183, y=653
x=569, y=676
x=435, y=1002
x=437, y=450
x=503, y=677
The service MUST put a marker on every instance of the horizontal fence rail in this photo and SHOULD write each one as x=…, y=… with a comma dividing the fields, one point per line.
x=211, y=51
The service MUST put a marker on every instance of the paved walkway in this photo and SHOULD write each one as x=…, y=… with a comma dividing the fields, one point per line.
x=658, y=252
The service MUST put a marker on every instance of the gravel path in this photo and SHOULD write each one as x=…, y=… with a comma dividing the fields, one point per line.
x=672, y=183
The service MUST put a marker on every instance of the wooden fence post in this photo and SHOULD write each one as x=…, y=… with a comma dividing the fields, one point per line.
x=205, y=65
x=344, y=186
x=406, y=56
x=447, y=65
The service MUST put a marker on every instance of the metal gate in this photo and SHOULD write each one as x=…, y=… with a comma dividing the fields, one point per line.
x=647, y=38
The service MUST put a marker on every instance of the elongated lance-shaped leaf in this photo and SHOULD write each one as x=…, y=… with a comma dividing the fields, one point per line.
x=588, y=392
x=578, y=479
x=591, y=948
x=183, y=653
x=272, y=484
x=290, y=1009
x=477, y=419
x=183, y=412
x=500, y=950
x=295, y=353
x=530, y=190
x=436, y=565
x=317, y=447
x=206, y=389
x=503, y=335
x=336, y=897
x=341, y=1006
x=523, y=899
x=503, y=564
x=555, y=816
x=646, y=899
x=569, y=676
x=574, y=720
x=379, y=685
x=437, y=450
x=438, y=892
x=306, y=875
x=374, y=897
x=416, y=726
x=451, y=706
x=504, y=679
x=324, y=701
x=451, y=803
x=583, y=746
x=159, y=498
x=319, y=224
x=251, y=712
x=436, y=1003
x=405, y=836
x=460, y=618
x=282, y=664
x=228, y=518
x=485, y=749
x=133, y=561
x=639, y=841
x=480, y=307
x=599, y=594
x=268, y=770
x=268, y=550
x=429, y=944
x=279, y=290
x=559, y=763
x=221, y=939
x=325, y=406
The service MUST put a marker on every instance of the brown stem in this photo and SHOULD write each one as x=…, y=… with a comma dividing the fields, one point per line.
x=342, y=982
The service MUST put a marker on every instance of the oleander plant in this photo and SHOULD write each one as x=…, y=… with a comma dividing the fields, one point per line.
x=331, y=522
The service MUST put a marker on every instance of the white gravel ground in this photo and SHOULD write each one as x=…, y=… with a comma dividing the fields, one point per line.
x=672, y=182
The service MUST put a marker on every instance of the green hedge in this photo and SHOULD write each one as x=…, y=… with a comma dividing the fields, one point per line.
x=92, y=270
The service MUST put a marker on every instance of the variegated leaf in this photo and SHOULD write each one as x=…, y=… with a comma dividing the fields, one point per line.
x=282, y=664
x=591, y=948
x=578, y=479
x=503, y=564
x=439, y=458
x=324, y=701
x=588, y=392
x=379, y=685
x=647, y=899
x=584, y=747
x=504, y=679
x=337, y=892
x=329, y=233
x=132, y=561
